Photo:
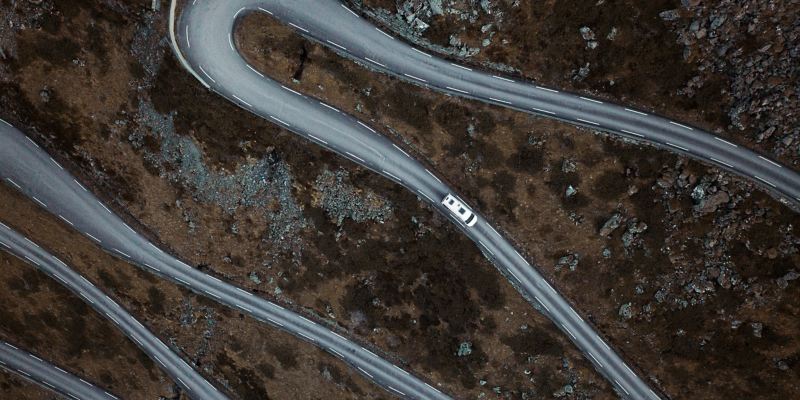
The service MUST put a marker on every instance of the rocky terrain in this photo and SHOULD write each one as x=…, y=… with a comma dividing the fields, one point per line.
x=667, y=257
x=242, y=199
x=239, y=355
x=755, y=45
x=728, y=66
x=690, y=272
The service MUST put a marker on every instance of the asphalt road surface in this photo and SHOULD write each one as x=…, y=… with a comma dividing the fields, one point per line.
x=191, y=381
x=41, y=372
x=329, y=21
x=27, y=168
x=204, y=36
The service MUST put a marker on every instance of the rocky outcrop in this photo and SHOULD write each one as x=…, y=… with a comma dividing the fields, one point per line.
x=756, y=45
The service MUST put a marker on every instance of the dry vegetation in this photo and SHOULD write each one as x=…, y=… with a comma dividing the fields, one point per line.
x=726, y=66
x=409, y=284
x=43, y=316
x=246, y=358
x=14, y=387
x=518, y=168
x=642, y=63
x=325, y=269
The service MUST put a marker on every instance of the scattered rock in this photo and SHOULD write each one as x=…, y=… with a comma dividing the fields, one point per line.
x=568, y=166
x=569, y=260
x=611, y=224
x=571, y=191
x=710, y=203
x=326, y=374
x=265, y=184
x=625, y=311
x=436, y=7
x=783, y=282
x=581, y=73
x=340, y=199
x=631, y=235
x=661, y=295
x=565, y=390
x=44, y=94
x=669, y=15
x=761, y=95
x=486, y=6
x=758, y=328
x=588, y=35
x=727, y=278
x=613, y=33
x=464, y=349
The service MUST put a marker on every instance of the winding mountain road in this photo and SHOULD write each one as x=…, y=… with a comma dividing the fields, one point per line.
x=53, y=378
x=216, y=62
x=27, y=168
x=204, y=36
x=189, y=379
x=334, y=25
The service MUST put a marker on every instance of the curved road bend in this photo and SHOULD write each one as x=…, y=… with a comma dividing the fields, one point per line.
x=27, y=168
x=334, y=25
x=191, y=381
x=205, y=38
x=51, y=377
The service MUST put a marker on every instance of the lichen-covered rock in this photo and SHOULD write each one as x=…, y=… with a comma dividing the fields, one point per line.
x=341, y=199
x=570, y=261
x=625, y=311
x=464, y=349
x=611, y=224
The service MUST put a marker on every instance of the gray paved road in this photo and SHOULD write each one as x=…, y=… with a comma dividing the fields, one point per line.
x=191, y=381
x=204, y=35
x=41, y=372
x=331, y=21
x=27, y=168
x=334, y=25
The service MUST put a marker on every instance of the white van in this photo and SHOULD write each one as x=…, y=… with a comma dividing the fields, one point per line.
x=460, y=210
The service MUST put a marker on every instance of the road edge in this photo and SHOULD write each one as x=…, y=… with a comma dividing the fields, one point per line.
x=174, y=44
